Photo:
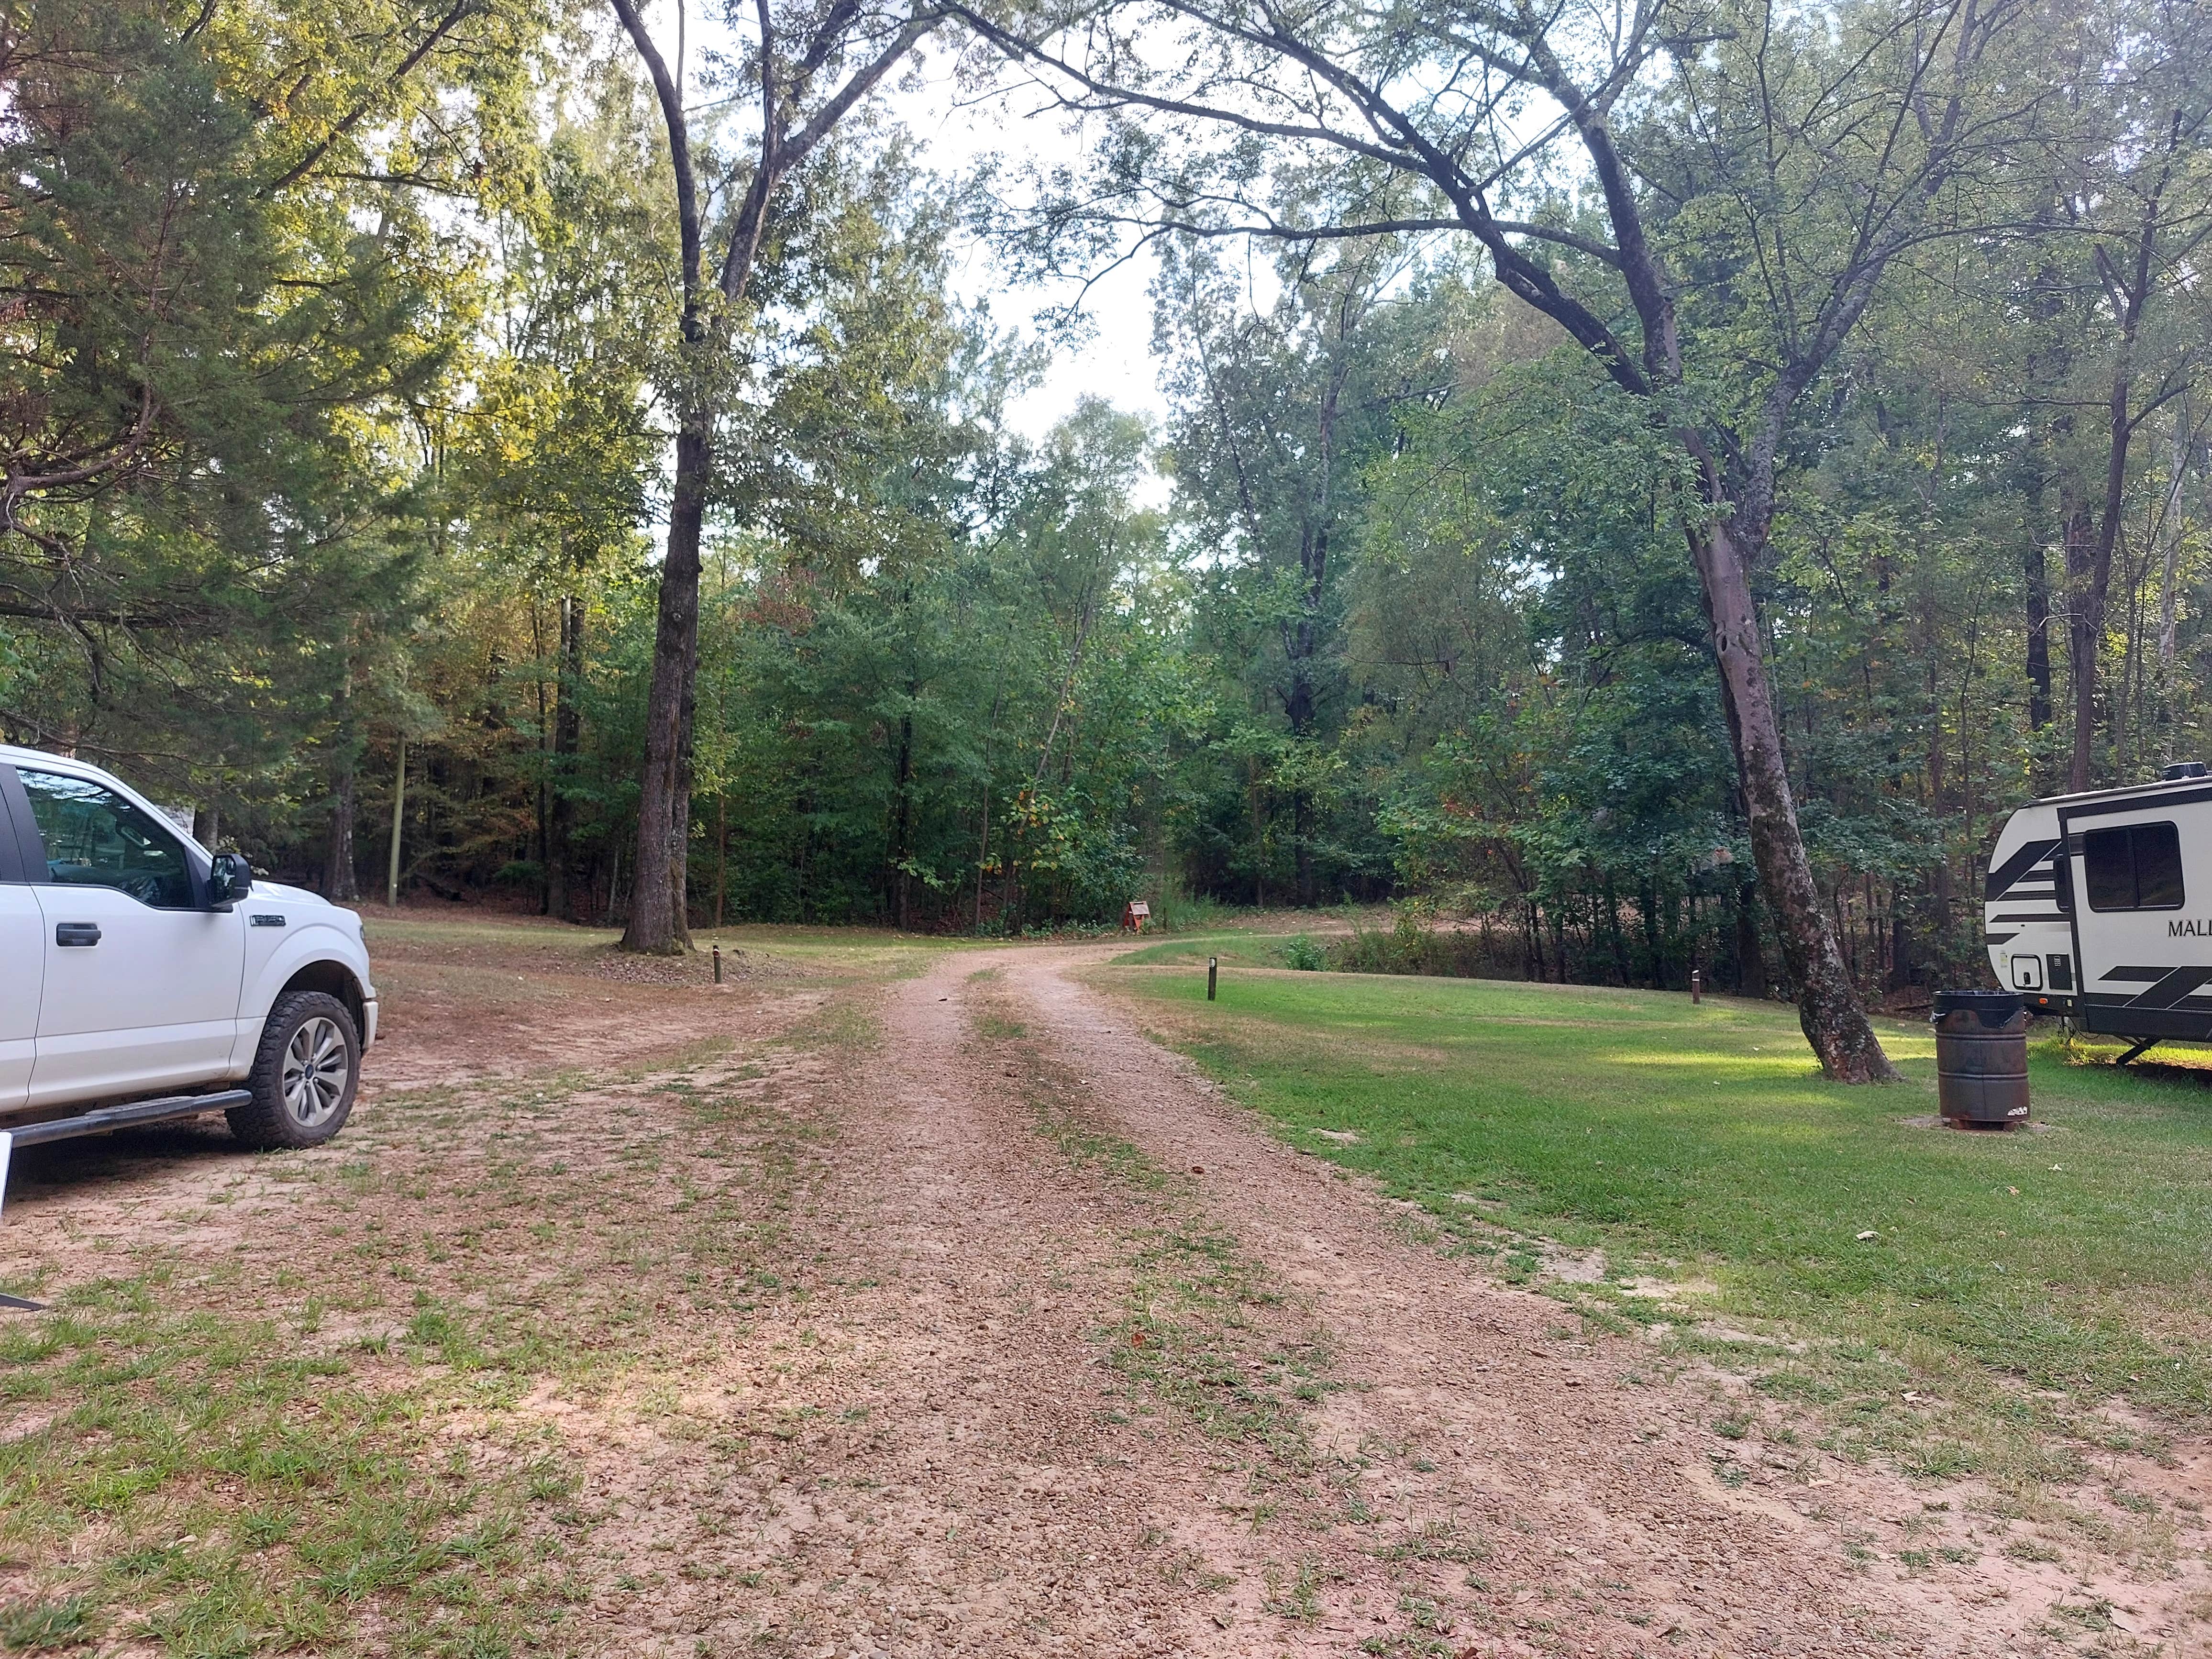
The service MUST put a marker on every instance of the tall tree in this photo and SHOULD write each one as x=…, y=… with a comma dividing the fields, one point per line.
x=1281, y=406
x=807, y=66
x=1751, y=174
x=555, y=447
x=210, y=340
x=2134, y=216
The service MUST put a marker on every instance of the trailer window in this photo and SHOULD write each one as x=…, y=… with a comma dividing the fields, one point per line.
x=2136, y=867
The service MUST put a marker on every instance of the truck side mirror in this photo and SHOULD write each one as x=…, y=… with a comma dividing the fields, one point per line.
x=231, y=880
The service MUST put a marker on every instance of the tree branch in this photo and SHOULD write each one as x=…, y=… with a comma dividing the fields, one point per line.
x=360, y=111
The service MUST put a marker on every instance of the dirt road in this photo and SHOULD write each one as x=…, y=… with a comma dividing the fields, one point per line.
x=1125, y=1375
x=949, y=1314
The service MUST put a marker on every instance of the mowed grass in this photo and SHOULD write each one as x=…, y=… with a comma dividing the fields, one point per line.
x=1700, y=1144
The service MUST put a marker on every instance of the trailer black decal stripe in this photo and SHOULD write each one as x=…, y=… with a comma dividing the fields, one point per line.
x=2001, y=879
x=1999, y=939
x=2145, y=974
x=2029, y=915
x=2118, y=1018
x=2170, y=989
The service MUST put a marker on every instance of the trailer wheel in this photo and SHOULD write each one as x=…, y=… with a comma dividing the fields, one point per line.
x=304, y=1074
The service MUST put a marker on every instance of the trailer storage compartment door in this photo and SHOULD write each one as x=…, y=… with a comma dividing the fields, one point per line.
x=2146, y=956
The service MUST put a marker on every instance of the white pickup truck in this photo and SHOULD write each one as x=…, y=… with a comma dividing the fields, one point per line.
x=144, y=979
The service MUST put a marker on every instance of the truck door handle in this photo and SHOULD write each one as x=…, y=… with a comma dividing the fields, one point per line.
x=76, y=933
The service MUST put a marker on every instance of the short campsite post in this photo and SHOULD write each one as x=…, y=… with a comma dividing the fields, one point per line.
x=1213, y=975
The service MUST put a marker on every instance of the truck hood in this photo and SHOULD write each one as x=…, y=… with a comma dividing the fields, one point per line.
x=277, y=892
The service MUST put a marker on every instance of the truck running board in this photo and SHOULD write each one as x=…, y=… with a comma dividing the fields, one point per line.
x=129, y=1116
x=132, y=1115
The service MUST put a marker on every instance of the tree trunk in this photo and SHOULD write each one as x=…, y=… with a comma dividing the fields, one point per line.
x=1827, y=1007
x=721, y=858
x=568, y=743
x=983, y=857
x=657, y=925
x=659, y=922
x=1612, y=902
x=2047, y=367
x=399, y=825
x=1901, y=941
x=341, y=885
x=2085, y=630
x=2169, y=537
x=1302, y=835
x=901, y=820
x=545, y=792
x=2038, y=629
x=1750, y=960
x=2094, y=574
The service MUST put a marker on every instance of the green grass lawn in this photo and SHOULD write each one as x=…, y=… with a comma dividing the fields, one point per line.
x=1700, y=1144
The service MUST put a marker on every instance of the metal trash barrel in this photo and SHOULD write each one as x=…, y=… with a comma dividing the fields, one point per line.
x=1981, y=1058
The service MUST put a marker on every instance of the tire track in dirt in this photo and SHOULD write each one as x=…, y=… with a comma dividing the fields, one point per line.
x=988, y=1493
x=1466, y=1403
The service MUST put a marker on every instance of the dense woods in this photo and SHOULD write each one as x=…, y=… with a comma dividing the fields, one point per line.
x=1649, y=489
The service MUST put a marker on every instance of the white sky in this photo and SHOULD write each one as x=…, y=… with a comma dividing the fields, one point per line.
x=1116, y=361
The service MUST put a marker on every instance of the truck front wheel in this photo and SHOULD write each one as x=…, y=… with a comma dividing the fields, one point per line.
x=304, y=1074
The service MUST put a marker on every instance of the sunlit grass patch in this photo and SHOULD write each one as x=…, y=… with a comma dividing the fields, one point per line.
x=247, y=1497
x=1700, y=1140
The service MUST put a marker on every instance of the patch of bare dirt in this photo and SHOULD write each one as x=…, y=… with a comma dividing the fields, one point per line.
x=972, y=1462
x=454, y=1012
x=932, y=1456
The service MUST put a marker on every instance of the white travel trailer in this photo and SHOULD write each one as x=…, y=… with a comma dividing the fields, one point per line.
x=2100, y=906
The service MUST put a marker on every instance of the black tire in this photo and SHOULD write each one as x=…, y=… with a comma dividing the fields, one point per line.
x=301, y=1097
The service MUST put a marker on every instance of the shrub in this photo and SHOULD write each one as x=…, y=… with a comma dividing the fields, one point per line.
x=1414, y=945
x=1175, y=911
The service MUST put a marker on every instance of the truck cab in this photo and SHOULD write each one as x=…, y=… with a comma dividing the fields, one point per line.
x=135, y=964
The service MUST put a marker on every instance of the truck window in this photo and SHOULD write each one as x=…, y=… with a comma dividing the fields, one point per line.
x=95, y=838
x=2136, y=866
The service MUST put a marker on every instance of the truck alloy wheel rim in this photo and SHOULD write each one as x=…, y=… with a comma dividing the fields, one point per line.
x=315, y=1067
